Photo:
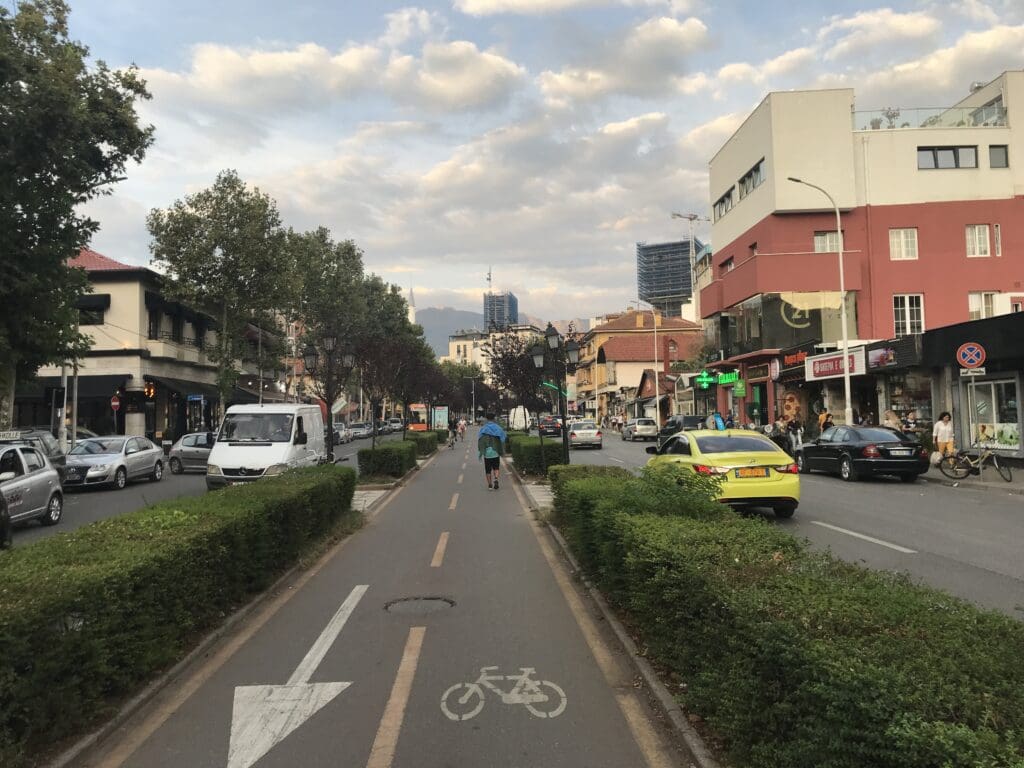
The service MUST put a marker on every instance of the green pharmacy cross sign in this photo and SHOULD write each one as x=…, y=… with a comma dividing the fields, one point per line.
x=705, y=379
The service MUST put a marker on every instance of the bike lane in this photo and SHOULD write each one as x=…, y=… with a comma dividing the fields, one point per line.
x=508, y=612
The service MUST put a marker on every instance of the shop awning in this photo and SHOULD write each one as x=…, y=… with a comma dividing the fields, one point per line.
x=187, y=388
x=88, y=386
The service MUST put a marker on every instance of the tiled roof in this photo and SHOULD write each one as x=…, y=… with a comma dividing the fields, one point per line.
x=627, y=322
x=639, y=348
x=91, y=261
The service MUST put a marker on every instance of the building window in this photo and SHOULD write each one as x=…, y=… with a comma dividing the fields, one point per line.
x=981, y=304
x=1017, y=306
x=724, y=204
x=826, y=242
x=977, y=241
x=90, y=317
x=997, y=235
x=903, y=244
x=908, y=313
x=998, y=156
x=177, y=329
x=752, y=179
x=727, y=266
x=941, y=158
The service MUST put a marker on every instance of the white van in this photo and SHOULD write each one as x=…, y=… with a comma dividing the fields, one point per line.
x=519, y=419
x=263, y=440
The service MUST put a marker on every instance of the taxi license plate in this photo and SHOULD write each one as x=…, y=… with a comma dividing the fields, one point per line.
x=752, y=472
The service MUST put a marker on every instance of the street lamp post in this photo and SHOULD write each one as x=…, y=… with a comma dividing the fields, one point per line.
x=311, y=359
x=537, y=353
x=657, y=392
x=842, y=299
x=571, y=351
x=472, y=416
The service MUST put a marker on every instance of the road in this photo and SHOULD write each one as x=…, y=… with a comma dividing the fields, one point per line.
x=87, y=505
x=964, y=541
x=334, y=672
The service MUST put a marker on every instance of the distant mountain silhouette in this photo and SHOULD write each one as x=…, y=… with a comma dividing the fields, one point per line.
x=441, y=322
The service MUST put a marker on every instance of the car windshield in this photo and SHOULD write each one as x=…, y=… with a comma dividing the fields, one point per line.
x=94, y=446
x=880, y=435
x=645, y=422
x=257, y=427
x=734, y=444
x=585, y=425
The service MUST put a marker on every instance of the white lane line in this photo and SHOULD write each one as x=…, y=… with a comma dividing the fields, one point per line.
x=463, y=465
x=442, y=545
x=455, y=501
x=382, y=754
x=323, y=644
x=459, y=481
x=872, y=539
x=618, y=460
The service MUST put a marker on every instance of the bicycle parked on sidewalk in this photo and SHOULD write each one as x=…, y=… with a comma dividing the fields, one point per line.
x=962, y=463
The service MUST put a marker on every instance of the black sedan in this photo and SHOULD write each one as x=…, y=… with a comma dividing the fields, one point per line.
x=550, y=426
x=853, y=452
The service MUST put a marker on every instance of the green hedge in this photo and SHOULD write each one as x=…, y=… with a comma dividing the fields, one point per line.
x=526, y=453
x=89, y=616
x=393, y=459
x=425, y=442
x=794, y=658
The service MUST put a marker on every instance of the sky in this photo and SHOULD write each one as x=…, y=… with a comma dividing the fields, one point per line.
x=539, y=138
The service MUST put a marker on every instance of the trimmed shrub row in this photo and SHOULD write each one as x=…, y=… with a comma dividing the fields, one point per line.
x=792, y=657
x=392, y=459
x=526, y=453
x=425, y=442
x=88, y=616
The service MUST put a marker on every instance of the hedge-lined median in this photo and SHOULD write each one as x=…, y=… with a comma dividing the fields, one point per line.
x=526, y=453
x=393, y=459
x=425, y=442
x=792, y=657
x=89, y=616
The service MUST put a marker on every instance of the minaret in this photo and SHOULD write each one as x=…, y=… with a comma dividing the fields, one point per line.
x=412, y=307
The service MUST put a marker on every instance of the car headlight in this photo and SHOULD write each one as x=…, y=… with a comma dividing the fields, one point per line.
x=275, y=469
x=99, y=468
x=213, y=469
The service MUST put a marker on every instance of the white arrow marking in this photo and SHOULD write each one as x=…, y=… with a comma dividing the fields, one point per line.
x=263, y=715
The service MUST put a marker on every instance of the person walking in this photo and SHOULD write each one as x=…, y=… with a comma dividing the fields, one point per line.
x=490, y=446
x=943, y=434
x=462, y=430
x=826, y=423
x=795, y=432
x=730, y=422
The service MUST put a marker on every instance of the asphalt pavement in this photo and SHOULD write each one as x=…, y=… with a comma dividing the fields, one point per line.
x=963, y=540
x=444, y=633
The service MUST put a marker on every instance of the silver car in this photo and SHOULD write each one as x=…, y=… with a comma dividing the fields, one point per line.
x=583, y=433
x=30, y=485
x=113, y=461
x=640, y=429
x=190, y=452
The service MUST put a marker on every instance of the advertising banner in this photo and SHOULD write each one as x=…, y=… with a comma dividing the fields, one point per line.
x=830, y=365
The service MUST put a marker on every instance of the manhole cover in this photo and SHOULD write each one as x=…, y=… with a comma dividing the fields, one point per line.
x=418, y=606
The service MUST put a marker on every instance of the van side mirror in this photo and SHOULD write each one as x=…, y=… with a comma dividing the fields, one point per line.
x=7, y=476
x=301, y=439
x=652, y=449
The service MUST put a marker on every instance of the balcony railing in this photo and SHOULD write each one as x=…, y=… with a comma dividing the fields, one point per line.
x=991, y=116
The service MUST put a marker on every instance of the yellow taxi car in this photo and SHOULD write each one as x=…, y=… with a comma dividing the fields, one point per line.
x=754, y=471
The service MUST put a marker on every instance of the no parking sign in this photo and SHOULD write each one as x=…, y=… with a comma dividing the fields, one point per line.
x=970, y=355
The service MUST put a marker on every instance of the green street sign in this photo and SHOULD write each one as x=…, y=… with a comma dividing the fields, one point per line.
x=555, y=387
x=705, y=379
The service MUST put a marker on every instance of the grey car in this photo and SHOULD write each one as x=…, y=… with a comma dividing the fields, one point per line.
x=190, y=452
x=113, y=461
x=583, y=433
x=30, y=485
x=640, y=429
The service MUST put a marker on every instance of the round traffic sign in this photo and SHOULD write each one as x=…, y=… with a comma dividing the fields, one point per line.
x=970, y=355
x=115, y=403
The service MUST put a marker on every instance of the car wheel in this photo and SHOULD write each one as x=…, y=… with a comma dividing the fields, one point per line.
x=120, y=478
x=911, y=478
x=846, y=470
x=6, y=533
x=784, y=510
x=176, y=468
x=54, y=510
x=158, y=472
x=801, y=464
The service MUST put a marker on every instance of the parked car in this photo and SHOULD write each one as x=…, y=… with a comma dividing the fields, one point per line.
x=342, y=434
x=753, y=471
x=585, y=433
x=191, y=451
x=550, y=426
x=115, y=460
x=6, y=534
x=395, y=424
x=361, y=429
x=30, y=487
x=42, y=440
x=640, y=429
x=679, y=423
x=853, y=452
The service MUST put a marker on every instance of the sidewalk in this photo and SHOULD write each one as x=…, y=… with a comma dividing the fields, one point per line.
x=989, y=480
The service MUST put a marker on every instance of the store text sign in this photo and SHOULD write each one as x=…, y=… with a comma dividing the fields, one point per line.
x=830, y=366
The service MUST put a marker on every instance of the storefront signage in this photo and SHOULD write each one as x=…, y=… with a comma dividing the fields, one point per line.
x=705, y=379
x=882, y=358
x=970, y=355
x=195, y=398
x=739, y=389
x=972, y=371
x=729, y=378
x=774, y=369
x=791, y=361
x=757, y=371
x=830, y=365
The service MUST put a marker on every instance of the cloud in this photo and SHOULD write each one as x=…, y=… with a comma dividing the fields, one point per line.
x=869, y=30
x=794, y=61
x=409, y=23
x=648, y=60
x=541, y=7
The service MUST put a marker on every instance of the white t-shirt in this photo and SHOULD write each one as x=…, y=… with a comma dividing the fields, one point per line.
x=943, y=432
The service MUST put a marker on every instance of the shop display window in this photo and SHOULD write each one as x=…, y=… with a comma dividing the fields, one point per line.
x=994, y=421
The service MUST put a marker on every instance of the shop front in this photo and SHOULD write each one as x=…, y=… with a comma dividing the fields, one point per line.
x=978, y=369
x=904, y=386
x=796, y=398
x=827, y=370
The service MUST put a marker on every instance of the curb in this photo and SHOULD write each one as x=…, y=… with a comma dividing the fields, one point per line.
x=694, y=743
x=1008, y=488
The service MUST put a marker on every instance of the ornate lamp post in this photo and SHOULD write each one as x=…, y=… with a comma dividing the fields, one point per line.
x=570, y=357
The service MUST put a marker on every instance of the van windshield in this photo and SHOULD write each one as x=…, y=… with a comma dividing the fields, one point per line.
x=257, y=428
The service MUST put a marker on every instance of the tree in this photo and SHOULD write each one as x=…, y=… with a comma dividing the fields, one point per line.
x=704, y=354
x=512, y=368
x=67, y=132
x=465, y=378
x=224, y=249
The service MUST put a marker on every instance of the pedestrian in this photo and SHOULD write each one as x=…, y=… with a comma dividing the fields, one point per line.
x=490, y=446
x=730, y=423
x=910, y=422
x=462, y=429
x=943, y=434
x=821, y=420
x=826, y=423
x=892, y=421
x=719, y=422
x=795, y=432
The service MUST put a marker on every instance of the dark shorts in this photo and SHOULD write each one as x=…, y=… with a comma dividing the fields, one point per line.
x=492, y=465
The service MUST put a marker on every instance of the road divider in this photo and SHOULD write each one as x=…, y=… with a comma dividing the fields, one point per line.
x=455, y=501
x=382, y=754
x=442, y=545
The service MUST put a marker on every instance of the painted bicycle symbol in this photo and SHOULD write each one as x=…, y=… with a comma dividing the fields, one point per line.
x=542, y=698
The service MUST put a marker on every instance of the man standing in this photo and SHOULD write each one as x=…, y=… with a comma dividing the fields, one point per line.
x=490, y=446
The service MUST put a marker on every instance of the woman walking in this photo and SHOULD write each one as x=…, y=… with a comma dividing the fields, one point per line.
x=943, y=434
